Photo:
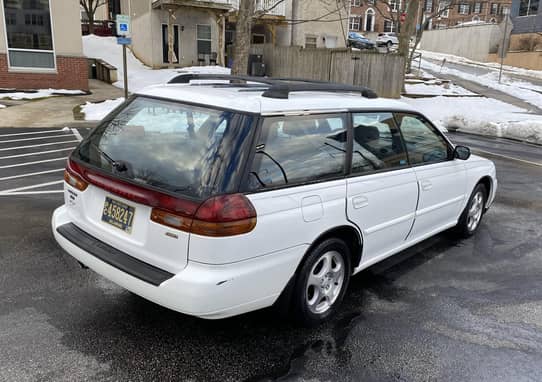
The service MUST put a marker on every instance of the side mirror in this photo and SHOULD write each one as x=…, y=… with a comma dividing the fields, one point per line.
x=462, y=152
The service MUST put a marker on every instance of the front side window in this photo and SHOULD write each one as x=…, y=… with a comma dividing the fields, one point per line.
x=377, y=143
x=29, y=36
x=204, y=39
x=423, y=143
x=179, y=148
x=295, y=150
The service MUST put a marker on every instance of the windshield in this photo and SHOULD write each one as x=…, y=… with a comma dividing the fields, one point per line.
x=176, y=147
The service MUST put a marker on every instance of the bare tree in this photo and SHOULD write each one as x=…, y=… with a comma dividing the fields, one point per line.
x=333, y=11
x=90, y=6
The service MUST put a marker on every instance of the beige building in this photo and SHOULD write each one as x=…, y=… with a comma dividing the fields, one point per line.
x=41, y=45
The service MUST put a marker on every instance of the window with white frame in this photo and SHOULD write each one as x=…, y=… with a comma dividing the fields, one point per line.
x=395, y=5
x=355, y=3
x=494, y=10
x=204, y=39
x=444, y=9
x=389, y=26
x=477, y=7
x=463, y=9
x=29, y=34
x=311, y=41
x=528, y=7
x=428, y=6
x=355, y=23
x=504, y=10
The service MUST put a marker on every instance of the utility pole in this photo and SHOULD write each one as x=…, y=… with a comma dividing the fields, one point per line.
x=503, y=45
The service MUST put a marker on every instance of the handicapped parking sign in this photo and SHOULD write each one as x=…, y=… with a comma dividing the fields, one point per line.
x=123, y=25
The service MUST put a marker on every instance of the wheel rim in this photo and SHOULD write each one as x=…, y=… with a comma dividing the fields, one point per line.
x=325, y=282
x=475, y=211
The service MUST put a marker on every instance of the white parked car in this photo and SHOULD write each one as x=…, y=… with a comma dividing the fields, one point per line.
x=215, y=198
x=387, y=39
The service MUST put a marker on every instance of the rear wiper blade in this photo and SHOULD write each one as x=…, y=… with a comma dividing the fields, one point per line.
x=118, y=165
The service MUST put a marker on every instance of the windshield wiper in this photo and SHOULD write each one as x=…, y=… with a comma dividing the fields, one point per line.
x=117, y=165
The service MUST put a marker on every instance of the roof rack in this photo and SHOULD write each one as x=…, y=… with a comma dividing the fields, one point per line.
x=277, y=87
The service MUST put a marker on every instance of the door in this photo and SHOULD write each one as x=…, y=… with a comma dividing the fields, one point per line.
x=165, y=45
x=441, y=179
x=382, y=192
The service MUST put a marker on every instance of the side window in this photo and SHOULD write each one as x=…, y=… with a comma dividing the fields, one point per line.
x=377, y=143
x=423, y=143
x=299, y=149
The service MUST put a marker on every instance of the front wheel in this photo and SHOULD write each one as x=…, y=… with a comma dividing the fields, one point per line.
x=472, y=215
x=321, y=282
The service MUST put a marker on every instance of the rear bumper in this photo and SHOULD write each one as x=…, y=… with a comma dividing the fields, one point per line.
x=203, y=290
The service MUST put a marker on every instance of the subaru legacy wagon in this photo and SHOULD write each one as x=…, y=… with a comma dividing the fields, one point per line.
x=219, y=195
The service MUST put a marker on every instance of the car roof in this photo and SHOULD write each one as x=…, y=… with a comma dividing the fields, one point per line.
x=251, y=101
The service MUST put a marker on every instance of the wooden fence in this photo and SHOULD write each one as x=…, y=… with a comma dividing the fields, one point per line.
x=381, y=72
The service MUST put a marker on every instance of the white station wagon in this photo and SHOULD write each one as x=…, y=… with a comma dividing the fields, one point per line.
x=218, y=195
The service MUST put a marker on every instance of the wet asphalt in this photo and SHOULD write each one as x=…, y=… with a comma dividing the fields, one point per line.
x=444, y=310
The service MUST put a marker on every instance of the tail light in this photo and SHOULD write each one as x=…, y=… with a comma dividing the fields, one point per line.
x=218, y=216
x=74, y=177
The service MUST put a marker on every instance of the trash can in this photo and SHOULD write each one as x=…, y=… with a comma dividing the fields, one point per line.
x=257, y=69
x=252, y=59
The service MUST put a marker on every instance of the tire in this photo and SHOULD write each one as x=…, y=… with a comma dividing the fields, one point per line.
x=470, y=219
x=318, y=293
x=389, y=44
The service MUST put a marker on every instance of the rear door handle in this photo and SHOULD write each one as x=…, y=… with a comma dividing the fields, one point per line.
x=360, y=202
x=426, y=185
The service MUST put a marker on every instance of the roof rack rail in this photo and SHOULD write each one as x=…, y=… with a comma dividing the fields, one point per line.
x=278, y=87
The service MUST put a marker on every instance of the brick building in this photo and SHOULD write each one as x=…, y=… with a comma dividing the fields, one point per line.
x=41, y=45
x=374, y=16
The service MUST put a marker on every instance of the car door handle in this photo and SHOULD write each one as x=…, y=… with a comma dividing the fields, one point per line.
x=360, y=202
x=426, y=185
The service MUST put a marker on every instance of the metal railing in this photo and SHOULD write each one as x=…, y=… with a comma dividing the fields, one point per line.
x=271, y=7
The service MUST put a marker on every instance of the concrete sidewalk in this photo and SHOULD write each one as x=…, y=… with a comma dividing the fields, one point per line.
x=55, y=111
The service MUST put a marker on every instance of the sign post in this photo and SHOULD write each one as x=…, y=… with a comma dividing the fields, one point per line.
x=123, y=31
x=503, y=44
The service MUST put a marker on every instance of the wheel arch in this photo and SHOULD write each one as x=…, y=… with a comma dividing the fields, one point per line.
x=488, y=183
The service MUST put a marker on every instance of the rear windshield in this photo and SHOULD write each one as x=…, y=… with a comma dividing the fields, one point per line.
x=179, y=148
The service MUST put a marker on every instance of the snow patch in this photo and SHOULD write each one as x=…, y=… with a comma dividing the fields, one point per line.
x=139, y=75
x=41, y=93
x=97, y=111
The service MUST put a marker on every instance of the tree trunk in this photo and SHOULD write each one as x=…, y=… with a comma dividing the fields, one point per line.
x=243, y=28
x=90, y=17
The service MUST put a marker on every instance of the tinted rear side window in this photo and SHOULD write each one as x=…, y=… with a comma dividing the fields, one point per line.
x=172, y=146
x=295, y=150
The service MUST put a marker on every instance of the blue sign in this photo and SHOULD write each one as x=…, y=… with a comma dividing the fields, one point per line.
x=124, y=40
x=123, y=27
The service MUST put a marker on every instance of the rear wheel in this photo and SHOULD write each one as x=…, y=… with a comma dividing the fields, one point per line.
x=472, y=215
x=389, y=44
x=321, y=282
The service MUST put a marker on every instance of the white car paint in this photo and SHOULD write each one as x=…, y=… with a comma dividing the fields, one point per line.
x=221, y=277
x=385, y=38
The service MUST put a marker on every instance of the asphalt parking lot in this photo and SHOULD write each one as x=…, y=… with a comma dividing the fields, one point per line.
x=445, y=310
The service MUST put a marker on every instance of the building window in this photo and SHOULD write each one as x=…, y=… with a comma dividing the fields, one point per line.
x=504, y=10
x=29, y=36
x=389, y=26
x=494, y=9
x=355, y=3
x=528, y=7
x=204, y=39
x=463, y=9
x=355, y=23
x=369, y=20
x=444, y=9
x=310, y=41
x=428, y=6
x=477, y=7
x=395, y=5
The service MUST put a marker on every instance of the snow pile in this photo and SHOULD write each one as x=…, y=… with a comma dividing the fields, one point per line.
x=97, y=111
x=139, y=75
x=483, y=116
x=41, y=93
x=433, y=87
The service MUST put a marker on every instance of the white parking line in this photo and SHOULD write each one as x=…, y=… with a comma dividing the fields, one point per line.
x=43, y=144
x=38, y=153
x=33, y=132
x=34, y=162
x=31, y=193
x=36, y=138
x=31, y=174
x=77, y=135
x=31, y=187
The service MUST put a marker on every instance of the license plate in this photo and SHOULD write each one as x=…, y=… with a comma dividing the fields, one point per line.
x=118, y=214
